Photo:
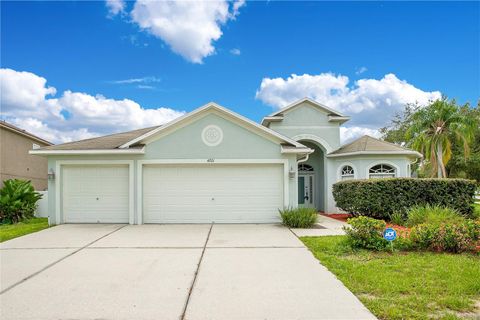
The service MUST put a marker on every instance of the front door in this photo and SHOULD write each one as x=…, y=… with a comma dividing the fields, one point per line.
x=305, y=191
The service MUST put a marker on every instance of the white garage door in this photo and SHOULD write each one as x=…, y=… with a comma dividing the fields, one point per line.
x=95, y=194
x=212, y=193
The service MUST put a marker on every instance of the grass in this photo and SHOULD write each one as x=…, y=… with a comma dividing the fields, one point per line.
x=476, y=208
x=10, y=231
x=404, y=285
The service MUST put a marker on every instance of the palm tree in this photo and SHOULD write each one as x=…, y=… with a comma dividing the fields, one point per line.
x=434, y=128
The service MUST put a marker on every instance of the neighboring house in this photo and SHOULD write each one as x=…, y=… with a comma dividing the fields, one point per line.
x=212, y=165
x=16, y=162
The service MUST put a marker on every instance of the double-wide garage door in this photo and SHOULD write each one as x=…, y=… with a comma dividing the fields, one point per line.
x=221, y=193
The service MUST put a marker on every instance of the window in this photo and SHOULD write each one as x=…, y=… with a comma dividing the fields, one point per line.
x=347, y=173
x=303, y=167
x=381, y=171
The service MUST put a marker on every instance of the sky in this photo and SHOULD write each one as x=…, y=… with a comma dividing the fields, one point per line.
x=75, y=70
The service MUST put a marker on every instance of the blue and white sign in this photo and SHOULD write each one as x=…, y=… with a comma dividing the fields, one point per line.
x=390, y=234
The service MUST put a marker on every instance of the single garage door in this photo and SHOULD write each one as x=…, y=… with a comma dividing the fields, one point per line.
x=95, y=194
x=218, y=193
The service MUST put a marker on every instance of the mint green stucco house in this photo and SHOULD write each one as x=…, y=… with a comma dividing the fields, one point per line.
x=212, y=165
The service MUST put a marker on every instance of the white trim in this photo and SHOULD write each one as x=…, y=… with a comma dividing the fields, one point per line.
x=59, y=217
x=340, y=167
x=296, y=150
x=383, y=153
x=92, y=151
x=377, y=162
x=310, y=127
x=298, y=102
x=141, y=163
x=338, y=119
x=322, y=142
x=212, y=105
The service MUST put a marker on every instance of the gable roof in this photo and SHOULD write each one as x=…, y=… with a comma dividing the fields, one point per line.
x=333, y=115
x=370, y=145
x=134, y=141
x=11, y=127
x=212, y=106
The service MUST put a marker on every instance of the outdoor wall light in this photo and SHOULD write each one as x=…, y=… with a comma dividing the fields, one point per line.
x=291, y=173
x=51, y=175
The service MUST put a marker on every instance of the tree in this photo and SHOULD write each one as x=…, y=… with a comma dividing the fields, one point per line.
x=467, y=167
x=433, y=130
x=396, y=131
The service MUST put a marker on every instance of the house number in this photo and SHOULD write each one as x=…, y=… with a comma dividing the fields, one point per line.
x=210, y=160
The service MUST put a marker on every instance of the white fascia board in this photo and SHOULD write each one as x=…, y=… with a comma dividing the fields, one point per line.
x=297, y=150
x=338, y=119
x=212, y=105
x=294, y=104
x=83, y=152
x=406, y=152
x=267, y=120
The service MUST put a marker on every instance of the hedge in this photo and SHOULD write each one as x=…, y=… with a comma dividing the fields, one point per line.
x=379, y=198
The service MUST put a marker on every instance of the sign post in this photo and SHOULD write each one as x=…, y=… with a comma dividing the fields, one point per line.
x=390, y=234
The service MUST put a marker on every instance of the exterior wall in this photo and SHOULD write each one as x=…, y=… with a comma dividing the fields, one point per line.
x=307, y=119
x=16, y=163
x=361, y=164
x=186, y=144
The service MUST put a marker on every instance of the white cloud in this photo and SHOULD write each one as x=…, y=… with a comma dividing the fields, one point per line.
x=138, y=80
x=188, y=27
x=361, y=70
x=370, y=102
x=27, y=101
x=115, y=7
x=235, y=51
x=348, y=134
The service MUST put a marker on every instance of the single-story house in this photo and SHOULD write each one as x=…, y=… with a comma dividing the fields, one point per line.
x=213, y=165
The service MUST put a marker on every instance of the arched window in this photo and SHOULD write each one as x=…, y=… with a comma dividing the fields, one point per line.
x=380, y=171
x=347, y=173
x=303, y=167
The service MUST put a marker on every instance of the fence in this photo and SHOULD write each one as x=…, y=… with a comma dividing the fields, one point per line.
x=42, y=209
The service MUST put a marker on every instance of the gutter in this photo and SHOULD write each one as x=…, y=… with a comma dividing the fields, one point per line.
x=87, y=152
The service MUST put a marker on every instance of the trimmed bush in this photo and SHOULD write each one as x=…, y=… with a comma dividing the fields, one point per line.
x=453, y=237
x=366, y=233
x=299, y=217
x=432, y=214
x=18, y=201
x=380, y=198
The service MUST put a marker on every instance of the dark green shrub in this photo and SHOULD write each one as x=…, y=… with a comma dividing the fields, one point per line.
x=432, y=214
x=380, y=198
x=299, y=217
x=18, y=201
x=459, y=236
x=365, y=232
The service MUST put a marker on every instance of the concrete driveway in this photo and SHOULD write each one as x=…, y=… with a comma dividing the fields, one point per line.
x=168, y=272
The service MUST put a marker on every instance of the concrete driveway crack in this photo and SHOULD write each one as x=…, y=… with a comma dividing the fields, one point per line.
x=57, y=261
x=196, y=274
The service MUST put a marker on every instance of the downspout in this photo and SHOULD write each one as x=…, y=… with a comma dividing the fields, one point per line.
x=304, y=159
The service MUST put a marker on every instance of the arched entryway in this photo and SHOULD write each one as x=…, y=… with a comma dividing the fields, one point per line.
x=311, y=178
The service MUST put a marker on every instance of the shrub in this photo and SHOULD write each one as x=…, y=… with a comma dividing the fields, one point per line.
x=380, y=198
x=299, y=217
x=457, y=236
x=397, y=218
x=18, y=201
x=432, y=214
x=365, y=232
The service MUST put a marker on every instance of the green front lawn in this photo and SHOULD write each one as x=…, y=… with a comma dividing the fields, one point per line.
x=10, y=231
x=404, y=285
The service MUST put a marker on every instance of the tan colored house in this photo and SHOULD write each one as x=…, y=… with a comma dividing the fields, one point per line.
x=16, y=162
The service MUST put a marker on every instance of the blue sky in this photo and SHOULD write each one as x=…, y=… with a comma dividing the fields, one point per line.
x=400, y=51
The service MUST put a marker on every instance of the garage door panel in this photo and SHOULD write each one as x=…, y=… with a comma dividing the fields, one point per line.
x=206, y=193
x=94, y=194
